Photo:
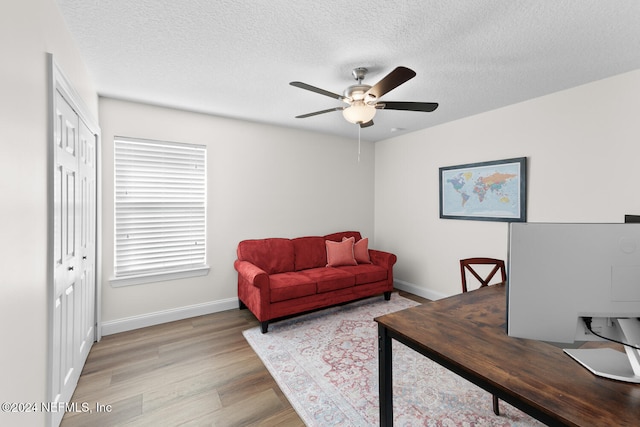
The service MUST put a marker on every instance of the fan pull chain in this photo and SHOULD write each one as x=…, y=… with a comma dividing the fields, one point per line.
x=359, y=144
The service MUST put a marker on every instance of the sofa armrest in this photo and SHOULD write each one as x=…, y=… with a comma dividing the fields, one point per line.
x=383, y=259
x=252, y=273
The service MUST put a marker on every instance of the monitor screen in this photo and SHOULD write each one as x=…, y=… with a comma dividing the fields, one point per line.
x=560, y=274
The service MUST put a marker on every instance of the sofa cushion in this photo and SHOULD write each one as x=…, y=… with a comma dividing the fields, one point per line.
x=274, y=255
x=329, y=279
x=366, y=273
x=309, y=252
x=340, y=253
x=290, y=285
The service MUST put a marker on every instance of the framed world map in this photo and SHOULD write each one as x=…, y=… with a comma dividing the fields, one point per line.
x=486, y=191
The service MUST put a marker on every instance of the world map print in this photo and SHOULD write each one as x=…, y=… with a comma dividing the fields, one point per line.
x=482, y=191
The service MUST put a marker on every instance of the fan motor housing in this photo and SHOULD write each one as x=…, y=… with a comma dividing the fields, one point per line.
x=356, y=92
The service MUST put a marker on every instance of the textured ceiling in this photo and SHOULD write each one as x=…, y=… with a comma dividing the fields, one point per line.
x=236, y=58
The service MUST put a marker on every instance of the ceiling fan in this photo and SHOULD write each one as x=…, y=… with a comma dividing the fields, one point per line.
x=364, y=100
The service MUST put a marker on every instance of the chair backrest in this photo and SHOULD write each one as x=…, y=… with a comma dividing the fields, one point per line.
x=467, y=264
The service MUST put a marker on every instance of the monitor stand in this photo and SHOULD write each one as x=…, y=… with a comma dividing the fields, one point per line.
x=610, y=363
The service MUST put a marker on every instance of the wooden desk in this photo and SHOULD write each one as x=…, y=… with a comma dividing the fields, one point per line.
x=466, y=334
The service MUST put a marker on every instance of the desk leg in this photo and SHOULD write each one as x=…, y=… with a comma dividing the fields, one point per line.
x=385, y=377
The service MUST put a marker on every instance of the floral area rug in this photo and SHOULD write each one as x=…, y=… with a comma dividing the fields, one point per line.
x=326, y=363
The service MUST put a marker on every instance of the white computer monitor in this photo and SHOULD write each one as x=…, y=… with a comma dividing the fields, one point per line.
x=560, y=274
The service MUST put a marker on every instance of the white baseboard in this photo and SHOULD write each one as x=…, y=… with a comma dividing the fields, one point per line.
x=149, y=319
x=417, y=290
x=156, y=318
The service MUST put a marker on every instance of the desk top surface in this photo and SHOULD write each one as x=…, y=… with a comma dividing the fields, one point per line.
x=468, y=333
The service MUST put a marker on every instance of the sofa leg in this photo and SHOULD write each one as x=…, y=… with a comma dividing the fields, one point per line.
x=242, y=305
x=264, y=326
x=387, y=295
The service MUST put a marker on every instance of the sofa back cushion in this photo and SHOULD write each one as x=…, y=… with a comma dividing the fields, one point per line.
x=337, y=237
x=274, y=255
x=310, y=252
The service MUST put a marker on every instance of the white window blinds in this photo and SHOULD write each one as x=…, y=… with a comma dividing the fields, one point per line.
x=160, y=207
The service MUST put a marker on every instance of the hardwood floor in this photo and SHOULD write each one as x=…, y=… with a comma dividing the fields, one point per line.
x=193, y=372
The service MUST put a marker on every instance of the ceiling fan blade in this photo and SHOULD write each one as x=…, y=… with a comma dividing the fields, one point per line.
x=315, y=113
x=391, y=81
x=427, y=107
x=316, y=90
x=366, y=125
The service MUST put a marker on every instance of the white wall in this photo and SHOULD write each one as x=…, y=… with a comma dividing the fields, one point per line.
x=582, y=149
x=263, y=181
x=28, y=30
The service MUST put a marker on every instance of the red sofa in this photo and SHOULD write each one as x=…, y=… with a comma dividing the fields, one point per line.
x=279, y=277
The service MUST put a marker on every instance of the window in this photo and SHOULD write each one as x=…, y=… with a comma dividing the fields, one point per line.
x=160, y=210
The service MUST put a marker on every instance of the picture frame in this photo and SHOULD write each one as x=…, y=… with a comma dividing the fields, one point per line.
x=485, y=191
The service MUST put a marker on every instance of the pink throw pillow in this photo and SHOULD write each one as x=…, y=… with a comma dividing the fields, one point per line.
x=361, y=250
x=340, y=253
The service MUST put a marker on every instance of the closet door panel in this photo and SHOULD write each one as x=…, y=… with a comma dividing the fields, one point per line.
x=74, y=226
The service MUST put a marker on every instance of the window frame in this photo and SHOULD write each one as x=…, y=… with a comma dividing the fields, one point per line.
x=158, y=274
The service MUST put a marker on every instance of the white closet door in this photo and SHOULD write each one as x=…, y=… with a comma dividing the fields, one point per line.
x=74, y=238
x=85, y=295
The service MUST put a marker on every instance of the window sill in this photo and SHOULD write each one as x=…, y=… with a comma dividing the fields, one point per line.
x=118, y=282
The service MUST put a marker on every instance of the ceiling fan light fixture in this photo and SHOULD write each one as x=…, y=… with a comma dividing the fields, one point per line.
x=363, y=99
x=359, y=112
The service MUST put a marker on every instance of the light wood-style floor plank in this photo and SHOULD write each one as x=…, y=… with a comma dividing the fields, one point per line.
x=193, y=372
